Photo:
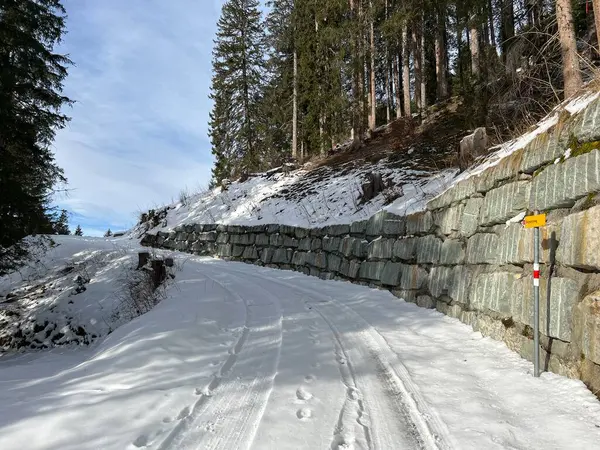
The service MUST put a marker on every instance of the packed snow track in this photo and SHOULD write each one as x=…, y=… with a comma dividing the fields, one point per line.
x=242, y=357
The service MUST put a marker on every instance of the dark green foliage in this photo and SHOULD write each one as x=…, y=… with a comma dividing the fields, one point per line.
x=61, y=226
x=31, y=81
x=108, y=233
x=238, y=74
x=78, y=231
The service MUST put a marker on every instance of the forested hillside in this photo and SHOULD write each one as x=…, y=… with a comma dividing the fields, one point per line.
x=296, y=79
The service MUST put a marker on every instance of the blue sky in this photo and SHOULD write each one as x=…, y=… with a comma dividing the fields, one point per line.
x=138, y=133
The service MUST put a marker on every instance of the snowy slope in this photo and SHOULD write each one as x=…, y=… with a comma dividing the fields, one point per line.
x=244, y=357
x=313, y=198
x=66, y=294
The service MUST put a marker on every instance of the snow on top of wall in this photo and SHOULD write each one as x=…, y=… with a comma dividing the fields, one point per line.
x=332, y=196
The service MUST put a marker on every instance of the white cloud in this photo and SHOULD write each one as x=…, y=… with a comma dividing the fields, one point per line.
x=141, y=82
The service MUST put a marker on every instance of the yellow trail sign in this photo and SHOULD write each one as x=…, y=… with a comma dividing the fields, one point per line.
x=534, y=221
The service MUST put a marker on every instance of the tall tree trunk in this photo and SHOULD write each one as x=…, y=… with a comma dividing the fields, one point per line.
x=397, y=86
x=372, y=91
x=507, y=27
x=406, y=70
x=356, y=91
x=475, y=50
x=597, y=20
x=423, y=65
x=568, y=46
x=440, y=55
x=295, y=109
x=388, y=89
x=416, y=40
x=491, y=22
x=459, y=44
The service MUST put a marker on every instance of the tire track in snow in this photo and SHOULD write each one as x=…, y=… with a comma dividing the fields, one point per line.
x=227, y=413
x=432, y=431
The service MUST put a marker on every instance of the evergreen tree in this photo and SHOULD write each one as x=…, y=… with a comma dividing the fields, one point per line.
x=78, y=231
x=31, y=82
x=108, y=233
x=61, y=226
x=238, y=70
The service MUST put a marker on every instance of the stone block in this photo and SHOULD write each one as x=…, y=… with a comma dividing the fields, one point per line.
x=235, y=229
x=276, y=240
x=316, y=244
x=290, y=242
x=250, y=253
x=405, y=249
x=394, y=225
x=358, y=228
x=448, y=219
x=407, y=296
x=266, y=255
x=428, y=250
x=331, y=244
x=460, y=191
x=221, y=228
x=305, y=244
x=380, y=248
x=272, y=228
x=482, y=248
x=242, y=239
x=346, y=246
x=301, y=233
x=375, y=224
x=360, y=248
x=282, y=256
x=209, y=236
x=460, y=285
x=334, y=263
x=338, y=230
x=587, y=128
x=587, y=322
x=222, y=238
x=561, y=185
x=470, y=217
x=412, y=277
x=390, y=276
x=505, y=202
x=453, y=252
x=555, y=321
x=350, y=268
x=494, y=291
x=371, y=270
x=299, y=258
x=317, y=259
x=580, y=240
x=419, y=223
x=425, y=301
x=224, y=250
x=543, y=150
x=288, y=230
x=440, y=281
x=262, y=240
x=237, y=250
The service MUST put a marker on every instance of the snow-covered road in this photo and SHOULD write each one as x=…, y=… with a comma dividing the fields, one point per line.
x=242, y=357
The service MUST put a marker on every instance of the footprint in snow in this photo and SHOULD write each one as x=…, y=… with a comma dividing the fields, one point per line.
x=141, y=441
x=303, y=394
x=310, y=378
x=304, y=413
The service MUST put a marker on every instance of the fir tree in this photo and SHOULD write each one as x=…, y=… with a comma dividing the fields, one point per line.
x=108, y=233
x=78, y=231
x=31, y=82
x=62, y=224
x=238, y=68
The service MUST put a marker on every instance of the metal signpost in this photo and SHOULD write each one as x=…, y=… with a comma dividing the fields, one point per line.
x=536, y=222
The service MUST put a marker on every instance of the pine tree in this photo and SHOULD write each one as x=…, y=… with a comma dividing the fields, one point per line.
x=62, y=224
x=78, y=231
x=31, y=82
x=108, y=233
x=238, y=68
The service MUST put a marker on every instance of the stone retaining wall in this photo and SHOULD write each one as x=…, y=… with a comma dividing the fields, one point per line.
x=459, y=256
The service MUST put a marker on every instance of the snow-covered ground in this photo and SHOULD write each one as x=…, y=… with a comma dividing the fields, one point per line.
x=313, y=198
x=241, y=357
